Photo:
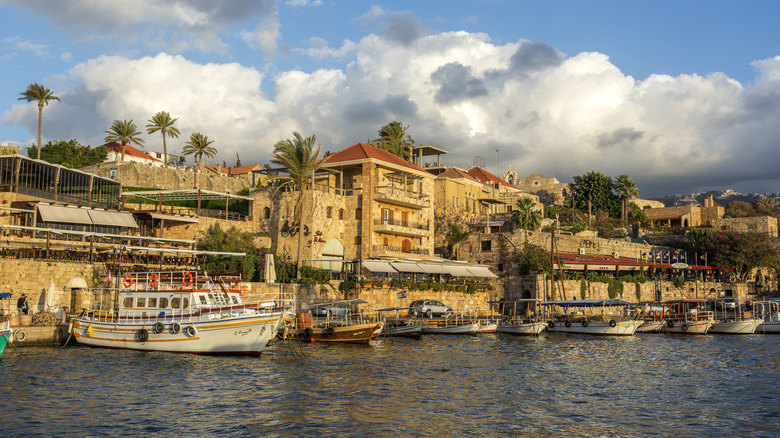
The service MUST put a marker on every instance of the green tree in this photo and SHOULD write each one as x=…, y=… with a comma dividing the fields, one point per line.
x=124, y=133
x=163, y=122
x=525, y=216
x=42, y=95
x=238, y=160
x=533, y=258
x=625, y=187
x=301, y=160
x=72, y=154
x=199, y=145
x=740, y=252
x=456, y=236
x=596, y=188
x=739, y=209
x=231, y=240
x=394, y=139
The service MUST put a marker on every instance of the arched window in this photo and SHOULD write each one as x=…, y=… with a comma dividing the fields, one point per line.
x=385, y=241
x=341, y=214
x=329, y=212
x=406, y=246
x=358, y=240
x=358, y=213
x=266, y=213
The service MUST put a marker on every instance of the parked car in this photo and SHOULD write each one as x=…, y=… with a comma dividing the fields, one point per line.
x=331, y=311
x=727, y=303
x=429, y=308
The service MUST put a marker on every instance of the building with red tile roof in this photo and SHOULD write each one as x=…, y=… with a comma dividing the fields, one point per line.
x=132, y=155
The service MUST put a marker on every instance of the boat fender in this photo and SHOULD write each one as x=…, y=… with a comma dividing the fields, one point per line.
x=143, y=335
x=154, y=280
x=191, y=330
x=685, y=327
x=612, y=323
x=20, y=335
x=308, y=332
x=567, y=324
x=175, y=328
x=584, y=323
x=127, y=281
x=330, y=332
x=551, y=324
x=670, y=324
x=159, y=327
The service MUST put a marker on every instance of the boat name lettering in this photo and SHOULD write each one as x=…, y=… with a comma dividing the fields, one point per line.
x=243, y=332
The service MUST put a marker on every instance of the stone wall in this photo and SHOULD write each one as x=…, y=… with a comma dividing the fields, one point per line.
x=759, y=224
x=144, y=175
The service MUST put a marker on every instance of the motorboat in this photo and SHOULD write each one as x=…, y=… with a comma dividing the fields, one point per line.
x=592, y=317
x=523, y=321
x=5, y=336
x=652, y=316
x=735, y=321
x=688, y=317
x=454, y=328
x=180, y=312
x=342, y=326
x=394, y=325
x=768, y=313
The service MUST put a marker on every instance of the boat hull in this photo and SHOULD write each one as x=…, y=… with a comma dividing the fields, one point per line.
x=621, y=328
x=240, y=335
x=651, y=327
x=689, y=327
x=772, y=327
x=522, y=329
x=408, y=331
x=460, y=329
x=353, y=334
x=490, y=327
x=745, y=327
x=5, y=338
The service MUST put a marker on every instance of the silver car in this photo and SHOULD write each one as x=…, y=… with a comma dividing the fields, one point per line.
x=331, y=311
x=429, y=308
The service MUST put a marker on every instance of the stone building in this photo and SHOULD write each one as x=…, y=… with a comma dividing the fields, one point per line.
x=132, y=155
x=243, y=172
x=685, y=216
x=549, y=190
x=758, y=224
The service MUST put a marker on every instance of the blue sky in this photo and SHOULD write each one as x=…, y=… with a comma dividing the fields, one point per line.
x=681, y=95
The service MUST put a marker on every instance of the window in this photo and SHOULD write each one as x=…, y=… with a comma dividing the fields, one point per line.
x=140, y=302
x=329, y=212
x=385, y=242
x=358, y=213
x=406, y=246
x=341, y=214
x=266, y=213
x=128, y=302
x=385, y=216
x=152, y=302
x=486, y=245
x=163, y=303
x=202, y=299
x=186, y=303
x=175, y=302
x=500, y=267
x=358, y=241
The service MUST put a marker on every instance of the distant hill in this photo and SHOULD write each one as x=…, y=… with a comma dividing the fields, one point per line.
x=722, y=197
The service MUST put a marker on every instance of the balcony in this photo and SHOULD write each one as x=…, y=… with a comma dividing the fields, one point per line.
x=396, y=251
x=401, y=228
x=402, y=197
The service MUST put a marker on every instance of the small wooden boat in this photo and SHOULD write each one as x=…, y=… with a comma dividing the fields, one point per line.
x=735, y=322
x=341, y=324
x=688, y=317
x=525, y=319
x=589, y=322
x=464, y=328
x=488, y=327
x=768, y=312
x=395, y=326
x=652, y=316
x=5, y=336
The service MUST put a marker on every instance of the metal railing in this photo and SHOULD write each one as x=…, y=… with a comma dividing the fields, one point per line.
x=401, y=223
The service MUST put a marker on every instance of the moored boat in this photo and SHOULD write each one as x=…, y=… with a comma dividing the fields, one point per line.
x=395, y=326
x=688, y=317
x=5, y=336
x=652, y=316
x=735, y=322
x=340, y=324
x=456, y=328
x=180, y=312
x=591, y=323
x=523, y=321
x=768, y=312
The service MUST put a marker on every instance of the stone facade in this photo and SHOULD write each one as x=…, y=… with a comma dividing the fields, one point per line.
x=549, y=190
x=142, y=175
x=758, y=224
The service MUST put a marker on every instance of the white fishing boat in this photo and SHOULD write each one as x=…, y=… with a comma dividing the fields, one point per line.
x=592, y=317
x=525, y=318
x=652, y=316
x=768, y=313
x=465, y=328
x=181, y=312
x=688, y=317
x=735, y=321
x=394, y=325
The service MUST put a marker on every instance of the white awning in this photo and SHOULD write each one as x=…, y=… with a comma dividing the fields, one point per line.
x=71, y=215
x=481, y=271
x=112, y=218
x=378, y=266
x=174, y=218
x=459, y=271
x=407, y=267
x=433, y=269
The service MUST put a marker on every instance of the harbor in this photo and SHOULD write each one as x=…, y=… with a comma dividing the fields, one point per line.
x=486, y=385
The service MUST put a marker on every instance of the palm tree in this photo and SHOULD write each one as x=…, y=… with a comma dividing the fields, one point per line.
x=298, y=156
x=394, y=139
x=42, y=95
x=625, y=187
x=124, y=133
x=162, y=122
x=525, y=216
x=199, y=145
x=457, y=236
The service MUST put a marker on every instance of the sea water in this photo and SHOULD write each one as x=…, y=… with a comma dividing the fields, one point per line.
x=487, y=385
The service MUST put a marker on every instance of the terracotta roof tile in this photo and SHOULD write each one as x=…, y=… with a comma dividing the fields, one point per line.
x=362, y=151
x=454, y=172
x=129, y=150
x=484, y=177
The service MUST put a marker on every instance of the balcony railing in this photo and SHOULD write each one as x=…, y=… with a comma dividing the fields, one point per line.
x=402, y=223
x=398, y=249
x=401, y=196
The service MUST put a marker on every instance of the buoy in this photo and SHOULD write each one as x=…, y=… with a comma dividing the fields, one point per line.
x=127, y=281
x=311, y=340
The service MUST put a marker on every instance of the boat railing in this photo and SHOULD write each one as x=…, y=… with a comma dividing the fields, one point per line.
x=704, y=315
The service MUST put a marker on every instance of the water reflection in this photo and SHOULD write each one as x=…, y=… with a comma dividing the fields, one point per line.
x=490, y=385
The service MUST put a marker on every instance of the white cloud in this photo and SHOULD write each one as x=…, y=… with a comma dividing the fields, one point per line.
x=265, y=35
x=301, y=3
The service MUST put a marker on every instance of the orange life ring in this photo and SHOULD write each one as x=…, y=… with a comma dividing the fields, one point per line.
x=186, y=279
x=127, y=281
x=154, y=280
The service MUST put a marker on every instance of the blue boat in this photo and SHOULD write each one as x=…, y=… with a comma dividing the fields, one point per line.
x=5, y=328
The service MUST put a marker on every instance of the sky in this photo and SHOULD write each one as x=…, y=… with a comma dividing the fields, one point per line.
x=683, y=96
